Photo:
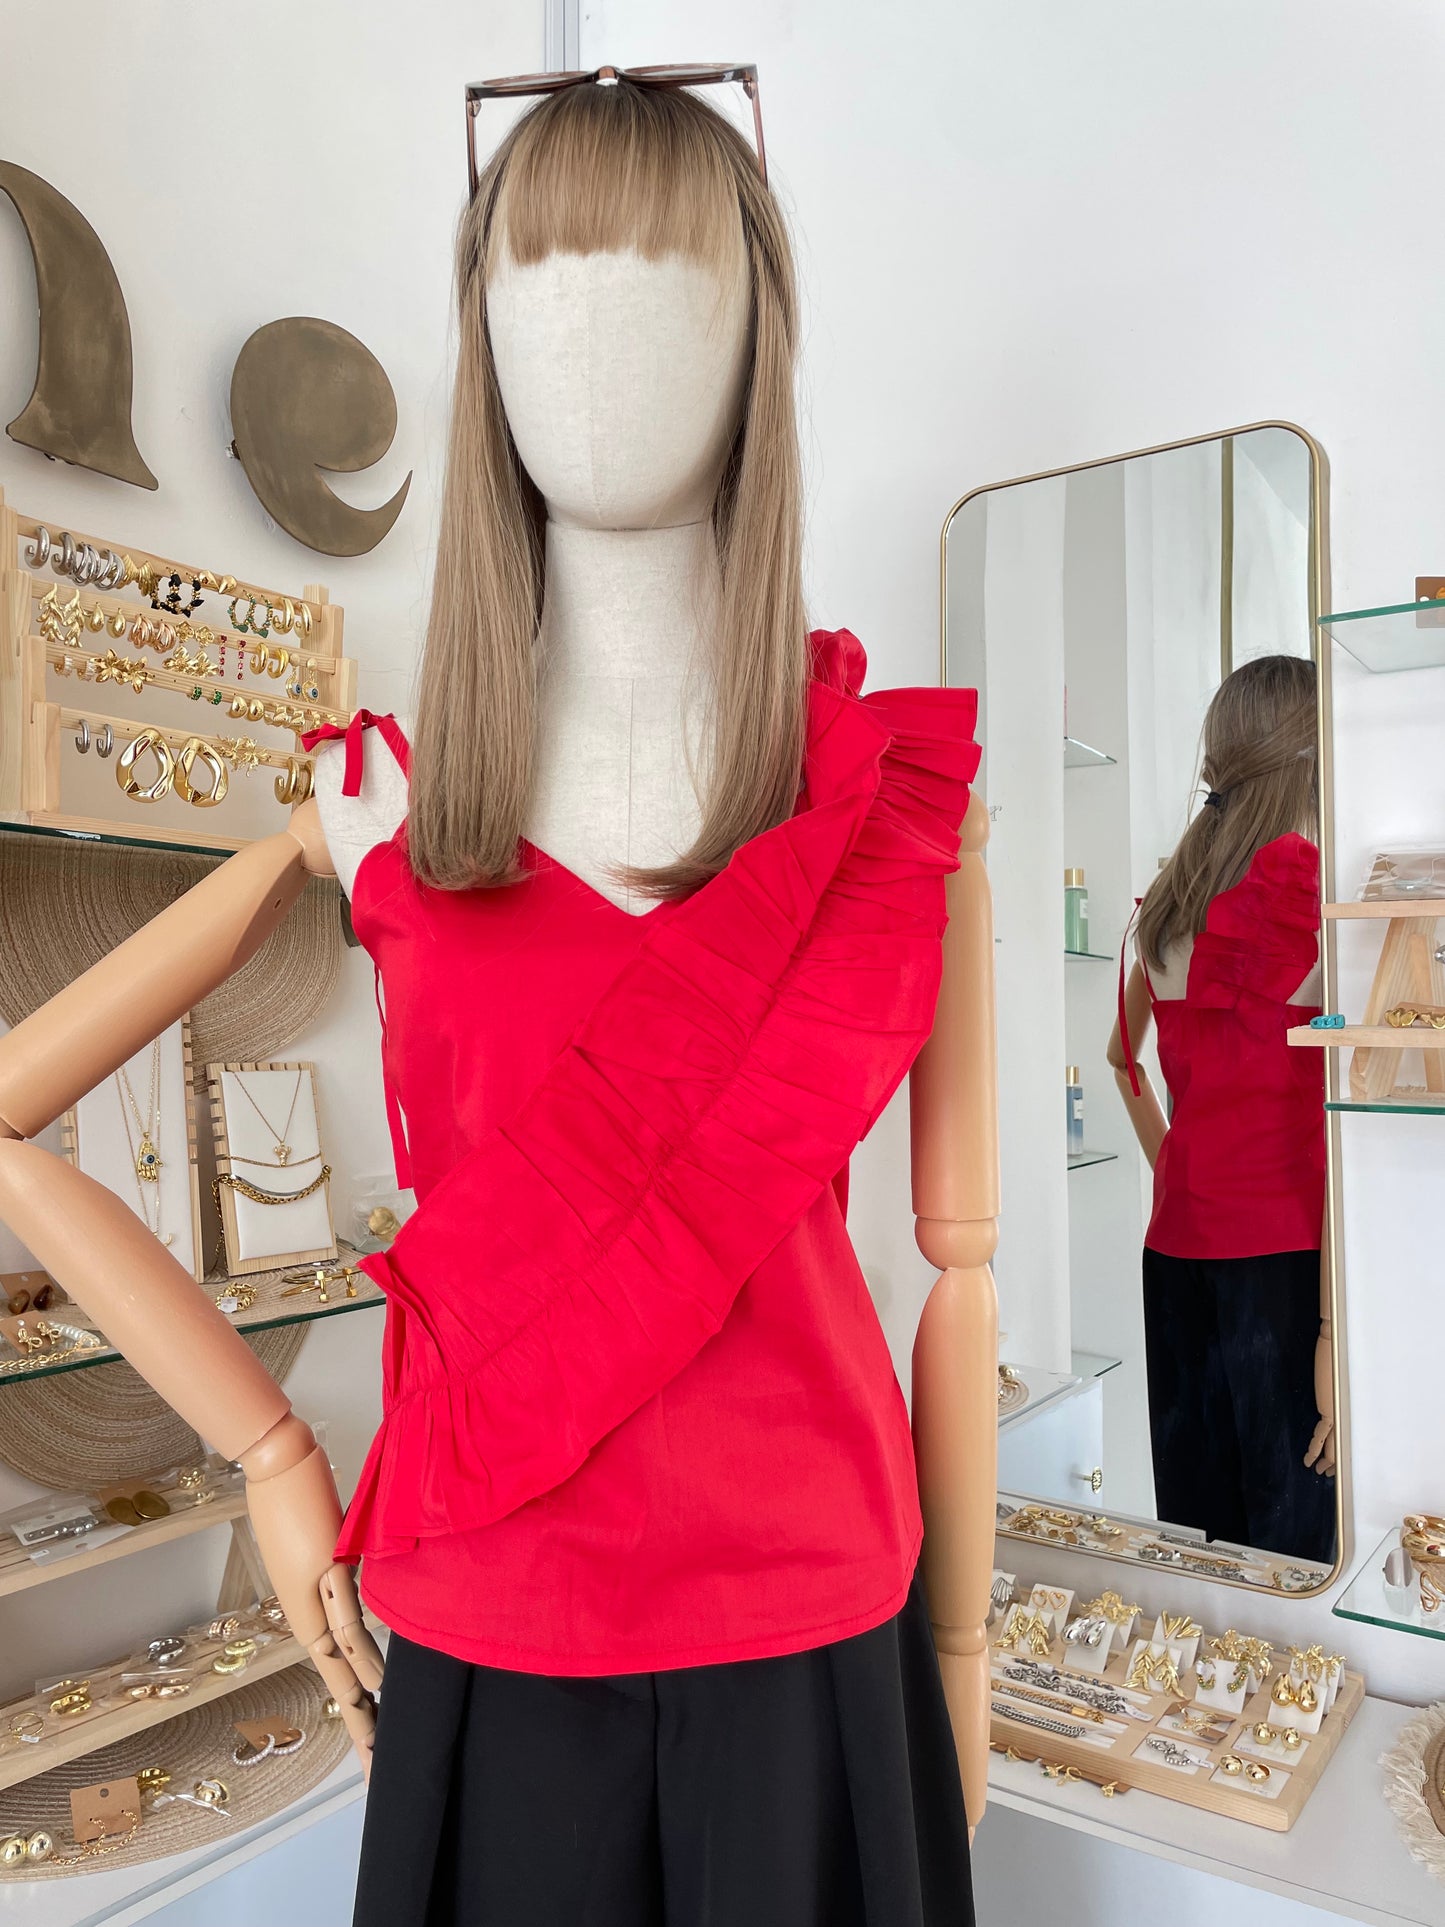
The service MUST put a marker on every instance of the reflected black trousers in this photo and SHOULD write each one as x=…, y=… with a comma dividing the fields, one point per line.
x=1230, y=1345
x=820, y=1789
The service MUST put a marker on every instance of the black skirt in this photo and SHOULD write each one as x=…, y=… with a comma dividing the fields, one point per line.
x=816, y=1790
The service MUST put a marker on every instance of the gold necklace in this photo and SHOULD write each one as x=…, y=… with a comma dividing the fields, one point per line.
x=281, y=1147
x=146, y=1161
x=257, y=1196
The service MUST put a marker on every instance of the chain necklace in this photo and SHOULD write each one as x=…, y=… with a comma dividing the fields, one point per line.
x=280, y=1147
x=145, y=1159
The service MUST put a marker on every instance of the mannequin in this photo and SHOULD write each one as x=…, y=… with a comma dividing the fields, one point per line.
x=621, y=378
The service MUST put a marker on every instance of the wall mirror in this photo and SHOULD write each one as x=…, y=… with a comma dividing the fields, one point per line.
x=1165, y=1255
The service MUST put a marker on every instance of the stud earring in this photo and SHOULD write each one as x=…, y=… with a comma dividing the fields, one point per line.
x=1257, y=1771
x=1306, y=1698
x=1282, y=1692
x=1231, y=1764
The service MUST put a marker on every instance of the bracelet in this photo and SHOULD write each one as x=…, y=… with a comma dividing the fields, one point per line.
x=1065, y=1729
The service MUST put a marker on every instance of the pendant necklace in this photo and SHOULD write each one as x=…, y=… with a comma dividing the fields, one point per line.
x=280, y=1147
x=146, y=1160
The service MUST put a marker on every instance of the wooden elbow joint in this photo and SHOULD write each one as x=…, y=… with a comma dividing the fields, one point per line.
x=956, y=1244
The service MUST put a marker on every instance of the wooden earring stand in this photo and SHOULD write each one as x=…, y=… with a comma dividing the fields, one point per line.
x=1409, y=972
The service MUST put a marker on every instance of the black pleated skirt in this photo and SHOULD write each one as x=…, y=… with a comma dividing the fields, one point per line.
x=816, y=1790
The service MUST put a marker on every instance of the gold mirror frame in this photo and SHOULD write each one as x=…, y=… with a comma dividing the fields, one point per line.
x=1318, y=590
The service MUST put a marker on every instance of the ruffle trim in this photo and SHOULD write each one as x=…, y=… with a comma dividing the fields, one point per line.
x=587, y=1249
x=1261, y=938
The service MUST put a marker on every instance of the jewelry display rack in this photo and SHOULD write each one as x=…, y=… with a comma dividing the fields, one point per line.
x=1073, y=1721
x=239, y=672
x=1410, y=972
x=54, y=622
x=1151, y=1544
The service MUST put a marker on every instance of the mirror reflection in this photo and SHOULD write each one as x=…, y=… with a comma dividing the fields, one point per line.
x=1166, y=1304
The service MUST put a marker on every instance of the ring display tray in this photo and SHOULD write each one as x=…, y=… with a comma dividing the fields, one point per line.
x=1112, y=1749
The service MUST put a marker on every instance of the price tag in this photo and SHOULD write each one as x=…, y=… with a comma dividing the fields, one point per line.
x=109, y=1807
x=275, y=1728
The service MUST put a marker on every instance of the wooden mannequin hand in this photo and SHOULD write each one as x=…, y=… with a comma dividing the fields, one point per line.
x=965, y=1687
x=1321, y=1453
x=296, y=1514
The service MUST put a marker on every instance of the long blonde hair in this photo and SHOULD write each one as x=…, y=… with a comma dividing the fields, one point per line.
x=592, y=169
x=1261, y=774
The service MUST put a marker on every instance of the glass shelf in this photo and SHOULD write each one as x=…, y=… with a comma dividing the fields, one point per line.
x=10, y=827
x=1078, y=1159
x=1411, y=1104
x=1090, y=956
x=269, y=1311
x=1364, y=1598
x=1079, y=755
x=1402, y=635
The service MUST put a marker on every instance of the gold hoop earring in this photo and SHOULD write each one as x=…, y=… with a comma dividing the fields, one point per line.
x=145, y=739
x=278, y=662
x=256, y=657
x=194, y=747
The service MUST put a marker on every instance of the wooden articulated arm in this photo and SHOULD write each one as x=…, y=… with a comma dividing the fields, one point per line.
x=954, y=1107
x=144, y=1300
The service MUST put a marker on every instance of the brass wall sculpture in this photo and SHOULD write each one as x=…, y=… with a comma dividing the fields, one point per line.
x=306, y=396
x=80, y=408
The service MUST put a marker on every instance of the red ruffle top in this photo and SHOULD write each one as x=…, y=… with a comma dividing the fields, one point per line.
x=638, y=1409
x=1242, y=1169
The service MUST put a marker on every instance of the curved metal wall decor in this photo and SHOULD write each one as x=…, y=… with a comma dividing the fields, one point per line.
x=306, y=396
x=79, y=410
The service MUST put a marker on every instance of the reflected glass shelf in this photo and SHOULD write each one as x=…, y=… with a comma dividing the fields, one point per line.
x=1410, y=1104
x=1078, y=1159
x=1079, y=755
x=1364, y=1598
x=1090, y=956
x=269, y=1312
x=1402, y=635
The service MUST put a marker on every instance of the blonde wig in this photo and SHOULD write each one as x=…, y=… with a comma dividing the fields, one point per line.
x=1261, y=774
x=597, y=169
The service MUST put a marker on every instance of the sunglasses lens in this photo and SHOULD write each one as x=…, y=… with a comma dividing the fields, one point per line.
x=525, y=84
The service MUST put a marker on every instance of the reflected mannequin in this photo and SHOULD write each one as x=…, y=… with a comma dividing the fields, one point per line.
x=1237, y=1327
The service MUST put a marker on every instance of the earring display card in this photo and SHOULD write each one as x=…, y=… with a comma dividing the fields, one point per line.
x=1122, y=1727
x=135, y=1134
x=107, y=1808
x=273, y=1180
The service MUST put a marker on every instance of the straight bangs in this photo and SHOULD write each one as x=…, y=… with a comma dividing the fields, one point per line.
x=601, y=169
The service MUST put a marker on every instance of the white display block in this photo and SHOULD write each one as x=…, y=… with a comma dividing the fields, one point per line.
x=1156, y=1652
x=257, y=1110
x=1084, y=1658
x=1055, y=1603
x=105, y=1140
x=1212, y=1684
x=1186, y=1651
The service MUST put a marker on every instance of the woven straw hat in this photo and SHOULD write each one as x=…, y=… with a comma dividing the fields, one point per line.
x=195, y=1745
x=64, y=905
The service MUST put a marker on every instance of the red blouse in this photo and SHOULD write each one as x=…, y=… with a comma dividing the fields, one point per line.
x=1242, y=1168
x=638, y=1409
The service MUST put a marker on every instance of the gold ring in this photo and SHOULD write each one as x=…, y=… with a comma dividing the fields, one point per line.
x=143, y=740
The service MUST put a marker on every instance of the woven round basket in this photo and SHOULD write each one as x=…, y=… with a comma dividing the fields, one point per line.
x=65, y=904
x=193, y=1746
x=90, y=1427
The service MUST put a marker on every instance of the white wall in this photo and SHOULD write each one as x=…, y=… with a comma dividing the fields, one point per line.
x=242, y=162
x=1035, y=233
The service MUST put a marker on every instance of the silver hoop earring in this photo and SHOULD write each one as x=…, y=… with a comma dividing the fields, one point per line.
x=105, y=741
x=38, y=554
x=82, y=736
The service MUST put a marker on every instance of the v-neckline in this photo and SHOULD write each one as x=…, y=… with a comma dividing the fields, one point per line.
x=590, y=889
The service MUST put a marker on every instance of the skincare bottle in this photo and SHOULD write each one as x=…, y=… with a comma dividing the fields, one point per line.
x=1076, y=912
x=1074, y=1096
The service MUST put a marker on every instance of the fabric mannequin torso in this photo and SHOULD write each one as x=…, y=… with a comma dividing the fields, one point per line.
x=622, y=379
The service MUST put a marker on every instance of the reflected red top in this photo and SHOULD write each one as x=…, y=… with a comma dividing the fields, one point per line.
x=1242, y=1168
x=638, y=1409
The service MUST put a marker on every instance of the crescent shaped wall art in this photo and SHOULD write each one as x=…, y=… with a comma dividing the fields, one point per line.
x=79, y=410
x=308, y=396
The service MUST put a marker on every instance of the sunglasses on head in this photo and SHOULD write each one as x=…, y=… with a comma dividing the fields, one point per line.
x=517, y=86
